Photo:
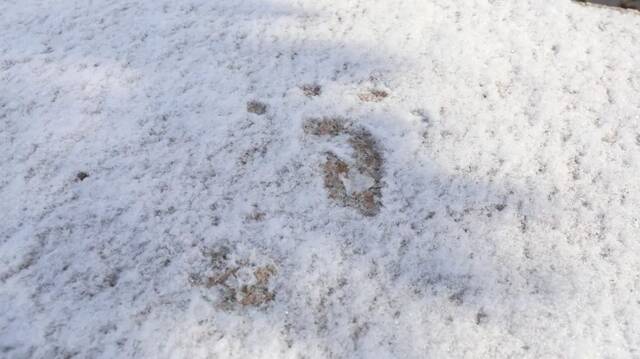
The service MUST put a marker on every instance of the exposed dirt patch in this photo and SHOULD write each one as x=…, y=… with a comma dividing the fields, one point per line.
x=237, y=282
x=256, y=107
x=334, y=170
x=311, y=90
x=256, y=215
x=81, y=176
x=328, y=126
x=368, y=158
x=373, y=95
x=357, y=182
x=258, y=294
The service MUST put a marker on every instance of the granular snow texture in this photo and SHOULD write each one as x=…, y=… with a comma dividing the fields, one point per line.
x=160, y=198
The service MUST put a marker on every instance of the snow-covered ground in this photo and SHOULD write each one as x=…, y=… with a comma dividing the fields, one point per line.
x=319, y=179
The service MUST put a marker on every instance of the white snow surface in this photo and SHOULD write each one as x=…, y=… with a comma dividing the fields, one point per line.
x=510, y=218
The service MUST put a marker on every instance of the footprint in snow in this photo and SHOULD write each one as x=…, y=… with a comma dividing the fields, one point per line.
x=355, y=182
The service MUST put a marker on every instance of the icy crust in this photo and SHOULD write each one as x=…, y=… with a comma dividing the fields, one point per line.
x=161, y=198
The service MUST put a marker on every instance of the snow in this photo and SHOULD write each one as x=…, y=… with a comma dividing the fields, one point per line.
x=509, y=218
